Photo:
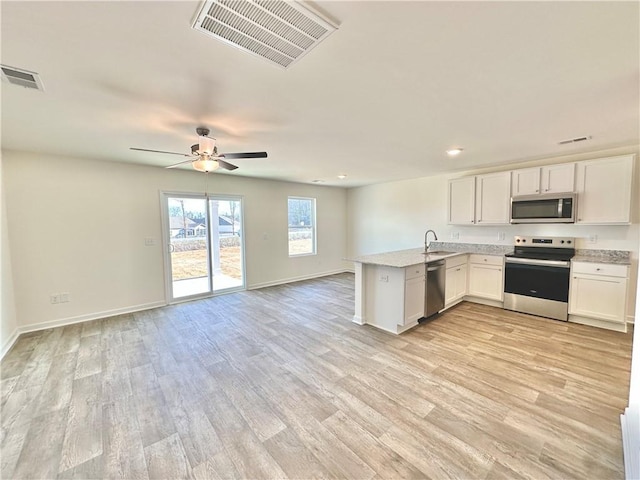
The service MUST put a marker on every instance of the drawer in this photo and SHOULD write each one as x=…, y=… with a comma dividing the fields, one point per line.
x=600, y=269
x=414, y=271
x=456, y=261
x=486, y=259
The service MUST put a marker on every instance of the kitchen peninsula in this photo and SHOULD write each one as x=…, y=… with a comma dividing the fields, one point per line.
x=390, y=286
x=391, y=291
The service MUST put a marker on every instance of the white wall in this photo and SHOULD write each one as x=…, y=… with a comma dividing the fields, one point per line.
x=8, y=321
x=79, y=226
x=395, y=215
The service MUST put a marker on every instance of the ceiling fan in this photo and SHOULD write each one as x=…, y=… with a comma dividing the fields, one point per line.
x=204, y=155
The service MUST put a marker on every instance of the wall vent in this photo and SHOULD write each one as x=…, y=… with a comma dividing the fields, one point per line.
x=279, y=31
x=23, y=78
x=574, y=140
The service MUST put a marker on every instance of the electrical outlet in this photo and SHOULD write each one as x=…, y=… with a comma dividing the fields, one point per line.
x=501, y=235
x=55, y=298
x=455, y=235
x=384, y=278
x=149, y=242
x=593, y=238
x=64, y=297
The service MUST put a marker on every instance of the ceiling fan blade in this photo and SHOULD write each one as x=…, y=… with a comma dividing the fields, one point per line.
x=245, y=155
x=158, y=151
x=179, y=163
x=226, y=165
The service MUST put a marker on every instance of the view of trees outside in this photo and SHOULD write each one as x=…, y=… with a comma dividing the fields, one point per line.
x=188, y=238
x=301, y=225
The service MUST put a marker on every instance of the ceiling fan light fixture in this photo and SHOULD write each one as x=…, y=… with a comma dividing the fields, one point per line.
x=205, y=165
x=206, y=146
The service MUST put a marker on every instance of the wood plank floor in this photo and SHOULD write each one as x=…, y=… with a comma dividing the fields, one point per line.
x=278, y=383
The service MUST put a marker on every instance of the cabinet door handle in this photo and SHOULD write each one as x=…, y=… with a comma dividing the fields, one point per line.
x=457, y=269
x=598, y=269
x=485, y=259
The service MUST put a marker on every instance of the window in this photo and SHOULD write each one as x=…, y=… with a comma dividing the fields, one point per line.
x=302, y=226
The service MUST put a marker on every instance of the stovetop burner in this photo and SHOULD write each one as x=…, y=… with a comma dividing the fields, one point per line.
x=544, y=248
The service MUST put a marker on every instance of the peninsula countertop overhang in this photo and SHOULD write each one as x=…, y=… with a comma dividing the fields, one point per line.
x=402, y=258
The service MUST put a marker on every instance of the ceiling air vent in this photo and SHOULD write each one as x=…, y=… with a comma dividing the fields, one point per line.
x=280, y=31
x=574, y=140
x=23, y=78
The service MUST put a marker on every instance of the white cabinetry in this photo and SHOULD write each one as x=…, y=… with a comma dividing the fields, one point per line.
x=604, y=190
x=462, y=198
x=543, y=180
x=486, y=277
x=481, y=200
x=455, y=287
x=492, y=198
x=598, y=294
x=394, y=296
x=414, y=294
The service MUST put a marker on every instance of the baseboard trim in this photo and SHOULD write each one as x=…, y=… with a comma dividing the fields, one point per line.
x=484, y=301
x=256, y=286
x=72, y=320
x=9, y=343
x=592, y=322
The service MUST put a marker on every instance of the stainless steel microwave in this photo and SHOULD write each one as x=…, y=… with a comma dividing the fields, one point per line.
x=544, y=209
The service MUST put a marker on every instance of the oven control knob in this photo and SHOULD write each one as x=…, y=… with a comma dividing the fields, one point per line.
x=524, y=240
x=568, y=241
x=561, y=241
x=517, y=240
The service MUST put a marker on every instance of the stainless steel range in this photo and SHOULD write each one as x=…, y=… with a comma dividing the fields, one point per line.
x=537, y=276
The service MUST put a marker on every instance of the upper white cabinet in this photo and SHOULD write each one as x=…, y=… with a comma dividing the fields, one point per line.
x=543, y=180
x=492, y=198
x=462, y=198
x=604, y=190
x=483, y=199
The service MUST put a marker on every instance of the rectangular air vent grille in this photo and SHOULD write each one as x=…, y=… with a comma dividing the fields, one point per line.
x=280, y=31
x=22, y=78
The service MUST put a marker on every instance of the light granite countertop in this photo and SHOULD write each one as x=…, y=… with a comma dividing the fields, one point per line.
x=414, y=256
x=613, y=257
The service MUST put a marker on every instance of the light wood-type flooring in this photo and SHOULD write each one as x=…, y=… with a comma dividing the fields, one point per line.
x=279, y=383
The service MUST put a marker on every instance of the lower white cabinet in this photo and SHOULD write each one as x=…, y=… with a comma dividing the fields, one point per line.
x=599, y=292
x=413, y=300
x=394, y=296
x=486, y=277
x=455, y=286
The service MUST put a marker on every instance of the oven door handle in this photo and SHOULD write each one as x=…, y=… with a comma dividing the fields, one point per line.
x=533, y=261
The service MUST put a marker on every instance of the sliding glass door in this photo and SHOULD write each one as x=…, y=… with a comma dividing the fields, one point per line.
x=205, y=251
x=226, y=243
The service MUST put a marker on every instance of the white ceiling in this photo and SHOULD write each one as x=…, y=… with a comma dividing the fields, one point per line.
x=381, y=99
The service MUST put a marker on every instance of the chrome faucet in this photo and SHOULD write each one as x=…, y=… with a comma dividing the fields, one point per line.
x=435, y=237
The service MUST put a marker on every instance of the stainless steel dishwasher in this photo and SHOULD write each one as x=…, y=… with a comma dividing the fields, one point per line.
x=434, y=288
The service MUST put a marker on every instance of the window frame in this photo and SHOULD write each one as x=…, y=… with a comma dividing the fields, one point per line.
x=314, y=229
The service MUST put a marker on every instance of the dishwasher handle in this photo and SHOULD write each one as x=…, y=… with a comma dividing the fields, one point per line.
x=432, y=267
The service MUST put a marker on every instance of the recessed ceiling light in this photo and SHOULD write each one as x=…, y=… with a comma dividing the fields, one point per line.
x=342, y=176
x=454, y=151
